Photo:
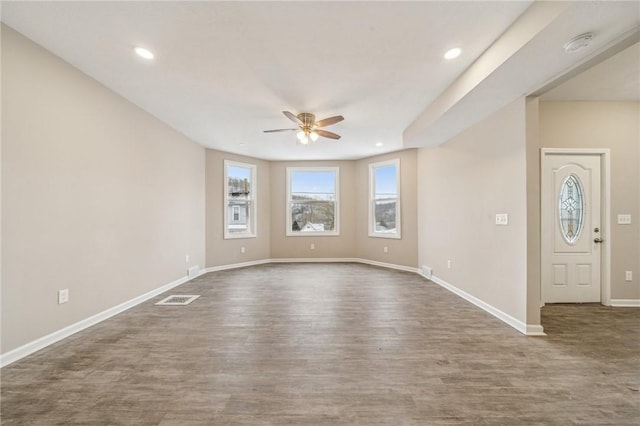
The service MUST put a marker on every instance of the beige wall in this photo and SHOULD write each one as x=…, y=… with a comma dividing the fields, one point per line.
x=340, y=246
x=613, y=125
x=272, y=241
x=462, y=185
x=402, y=251
x=533, y=211
x=97, y=196
x=225, y=252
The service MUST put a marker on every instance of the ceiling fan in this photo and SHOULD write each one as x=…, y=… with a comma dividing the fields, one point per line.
x=308, y=128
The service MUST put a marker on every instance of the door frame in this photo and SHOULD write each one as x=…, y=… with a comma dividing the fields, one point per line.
x=605, y=213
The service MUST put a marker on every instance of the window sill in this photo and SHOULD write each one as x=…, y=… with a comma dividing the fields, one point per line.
x=313, y=234
x=238, y=236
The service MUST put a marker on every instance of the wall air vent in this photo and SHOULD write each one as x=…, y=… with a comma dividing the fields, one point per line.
x=193, y=271
x=426, y=272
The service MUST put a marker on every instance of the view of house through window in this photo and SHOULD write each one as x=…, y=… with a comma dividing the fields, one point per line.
x=384, y=199
x=312, y=206
x=240, y=211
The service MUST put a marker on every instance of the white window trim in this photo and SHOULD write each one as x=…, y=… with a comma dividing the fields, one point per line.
x=336, y=230
x=253, y=196
x=372, y=232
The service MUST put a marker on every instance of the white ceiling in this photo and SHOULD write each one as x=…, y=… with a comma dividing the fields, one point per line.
x=225, y=71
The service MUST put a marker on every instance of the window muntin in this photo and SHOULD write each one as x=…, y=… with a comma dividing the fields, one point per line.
x=240, y=200
x=384, y=199
x=571, y=209
x=312, y=201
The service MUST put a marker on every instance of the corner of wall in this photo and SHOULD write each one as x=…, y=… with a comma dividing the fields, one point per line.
x=533, y=210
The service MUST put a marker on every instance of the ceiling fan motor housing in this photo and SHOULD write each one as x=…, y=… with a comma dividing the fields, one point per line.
x=308, y=120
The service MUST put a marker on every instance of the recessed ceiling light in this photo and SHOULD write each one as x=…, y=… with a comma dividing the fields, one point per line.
x=144, y=53
x=453, y=53
x=379, y=144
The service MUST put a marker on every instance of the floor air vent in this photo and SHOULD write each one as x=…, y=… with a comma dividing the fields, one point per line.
x=178, y=299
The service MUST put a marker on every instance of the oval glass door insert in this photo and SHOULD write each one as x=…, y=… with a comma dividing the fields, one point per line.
x=571, y=209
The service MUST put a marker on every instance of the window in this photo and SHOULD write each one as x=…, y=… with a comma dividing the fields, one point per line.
x=571, y=209
x=312, y=201
x=384, y=199
x=240, y=200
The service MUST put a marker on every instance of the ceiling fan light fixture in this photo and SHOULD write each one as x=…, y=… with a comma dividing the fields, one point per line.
x=309, y=130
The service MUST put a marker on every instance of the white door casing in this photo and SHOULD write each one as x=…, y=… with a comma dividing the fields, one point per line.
x=571, y=246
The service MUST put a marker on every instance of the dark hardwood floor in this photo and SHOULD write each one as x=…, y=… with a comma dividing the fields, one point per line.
x=320, y=344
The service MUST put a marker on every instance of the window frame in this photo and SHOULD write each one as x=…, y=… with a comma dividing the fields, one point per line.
x=372, y=190
x=336, y=229
x=252, y=231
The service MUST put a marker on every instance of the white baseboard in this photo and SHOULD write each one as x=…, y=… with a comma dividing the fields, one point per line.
x=34, y=346
x=389, y=265
x=535, y=330
x=625, y=303
x=235, y=266
x=526, y=329
x=312, y=260
x=344, y=260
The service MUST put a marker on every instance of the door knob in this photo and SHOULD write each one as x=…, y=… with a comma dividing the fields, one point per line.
x=597, y=240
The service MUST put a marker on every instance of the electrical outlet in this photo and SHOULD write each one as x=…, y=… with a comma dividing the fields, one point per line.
x=385, y=249
x=186, y=258
x=624, y=219
x=242, y=250
x=628, y=276
x=449, y=264
x=63, y=296
x=502, y=218
x=313, y=246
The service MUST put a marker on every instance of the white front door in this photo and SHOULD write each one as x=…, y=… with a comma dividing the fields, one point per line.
x=571, y=228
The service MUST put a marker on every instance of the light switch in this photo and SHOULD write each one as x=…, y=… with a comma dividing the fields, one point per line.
x=624, y=219
x=63, y=296
x=502, y=218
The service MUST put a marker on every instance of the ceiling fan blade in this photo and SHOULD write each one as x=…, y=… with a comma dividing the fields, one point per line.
x=326, y=134
x=292, y=117
x=278, y=130
x=329, y=121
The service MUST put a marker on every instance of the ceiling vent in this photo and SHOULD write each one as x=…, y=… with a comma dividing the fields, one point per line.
x=578, y=43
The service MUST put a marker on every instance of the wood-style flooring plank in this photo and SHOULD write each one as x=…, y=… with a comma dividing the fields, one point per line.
x=328, y=344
